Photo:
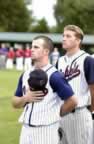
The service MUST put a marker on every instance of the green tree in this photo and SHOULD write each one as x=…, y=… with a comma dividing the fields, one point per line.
x=78, y=12
x=14, y=16
x=40, y=26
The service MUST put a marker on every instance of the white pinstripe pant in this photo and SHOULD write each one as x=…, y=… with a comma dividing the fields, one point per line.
x=40, y=135
x=77, y=128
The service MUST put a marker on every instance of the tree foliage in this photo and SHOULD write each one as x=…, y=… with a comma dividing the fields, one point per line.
x=40, y=26
x=14, y=16
x=78, y=12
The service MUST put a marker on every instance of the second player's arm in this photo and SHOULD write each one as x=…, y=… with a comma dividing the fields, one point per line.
x=68, y=105
x=65, y=92
x=92, y=97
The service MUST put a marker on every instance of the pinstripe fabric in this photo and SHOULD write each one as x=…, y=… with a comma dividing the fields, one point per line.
x=45, y=111
x=43, y=114
x=78, y=126
x=39, y=135
x=93, y=133
x=74, y=73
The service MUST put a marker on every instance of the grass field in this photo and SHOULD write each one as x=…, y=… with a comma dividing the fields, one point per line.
x=9, y=126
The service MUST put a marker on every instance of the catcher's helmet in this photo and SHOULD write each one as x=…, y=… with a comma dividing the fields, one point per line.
x=38, y=80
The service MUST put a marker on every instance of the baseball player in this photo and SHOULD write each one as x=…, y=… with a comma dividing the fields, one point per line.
x=54, y=56
x=41, y=113
x=10, y=58
x=27, y=58
x=78, y=68
x=19, y=58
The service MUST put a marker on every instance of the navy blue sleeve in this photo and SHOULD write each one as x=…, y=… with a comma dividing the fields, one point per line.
x=19, y=91
x=89, y=69
x=60, y=85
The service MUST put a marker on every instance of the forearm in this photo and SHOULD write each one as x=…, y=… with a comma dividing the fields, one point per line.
x=92, y=97
x=18, y=102
x=92, y=103
x=68, y=105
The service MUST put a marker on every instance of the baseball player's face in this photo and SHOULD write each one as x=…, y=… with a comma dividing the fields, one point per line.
x=38, y=50
x=70, y=41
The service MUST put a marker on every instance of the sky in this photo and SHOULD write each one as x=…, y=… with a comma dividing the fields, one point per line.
x=44, y=9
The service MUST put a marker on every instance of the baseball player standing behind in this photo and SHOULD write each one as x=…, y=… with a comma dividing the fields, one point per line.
x=78, y=68
x=41, y=114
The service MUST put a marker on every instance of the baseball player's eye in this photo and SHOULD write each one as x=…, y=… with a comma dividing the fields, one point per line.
x=35, y=47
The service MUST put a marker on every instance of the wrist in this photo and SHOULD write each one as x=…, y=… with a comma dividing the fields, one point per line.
x=24, y=100
x=63, y=113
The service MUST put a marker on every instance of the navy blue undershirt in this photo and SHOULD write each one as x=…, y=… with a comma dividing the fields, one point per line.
x=89, y=69
x=58, y=84
x=19, y=91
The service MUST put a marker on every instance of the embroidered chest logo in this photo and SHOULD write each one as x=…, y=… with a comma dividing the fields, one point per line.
x=72, y=71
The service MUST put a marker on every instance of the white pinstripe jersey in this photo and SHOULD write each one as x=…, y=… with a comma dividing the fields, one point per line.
x=46, y=111
x=73, y=69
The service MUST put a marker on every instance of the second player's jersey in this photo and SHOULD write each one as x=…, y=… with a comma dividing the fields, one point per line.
x=73, y=69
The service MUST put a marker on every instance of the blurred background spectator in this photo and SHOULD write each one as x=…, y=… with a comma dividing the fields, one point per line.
x=19, y=57
x=3, y=55
x=10, y=58
x=54, y=56
x=27, y=57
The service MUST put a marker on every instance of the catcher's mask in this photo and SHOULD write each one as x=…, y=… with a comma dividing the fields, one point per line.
x=37, y=80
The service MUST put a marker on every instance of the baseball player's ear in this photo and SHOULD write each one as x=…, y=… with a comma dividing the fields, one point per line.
x=47, y=51
x=79, y=41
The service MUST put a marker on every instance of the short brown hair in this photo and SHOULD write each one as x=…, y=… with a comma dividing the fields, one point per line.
x=48, y=42
x=78, y=31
